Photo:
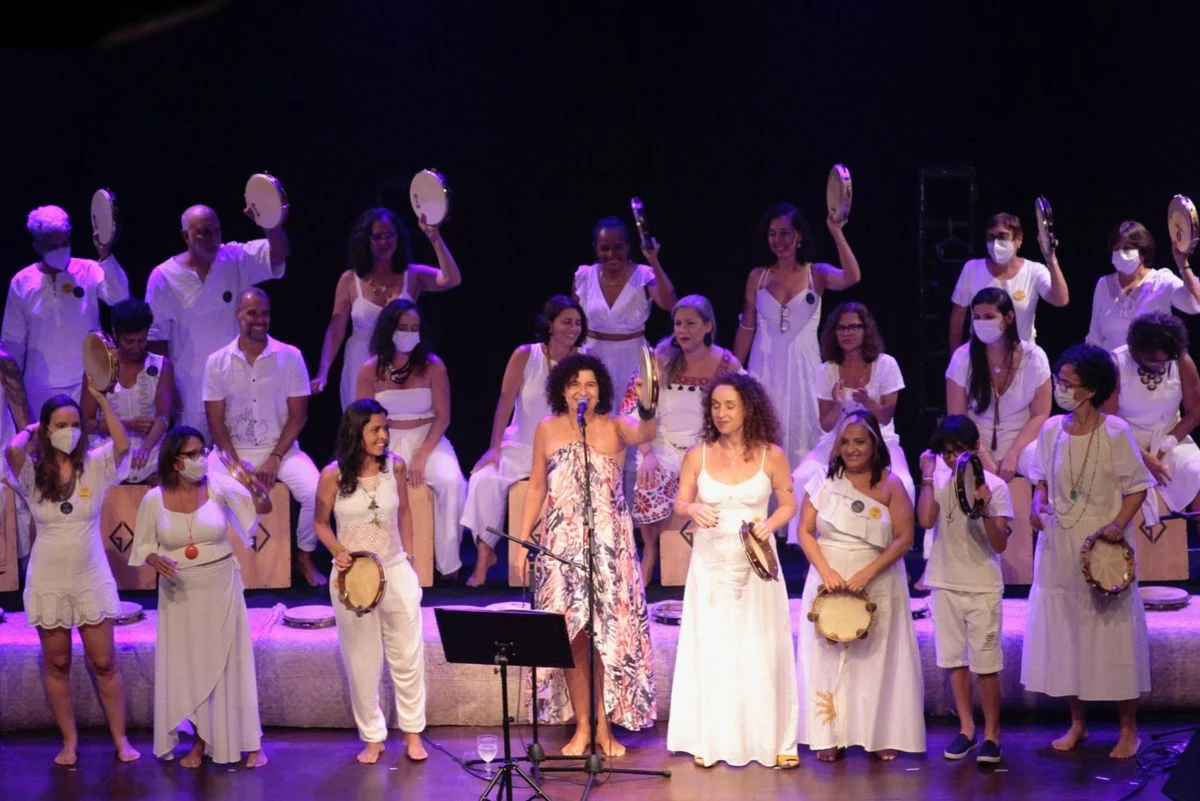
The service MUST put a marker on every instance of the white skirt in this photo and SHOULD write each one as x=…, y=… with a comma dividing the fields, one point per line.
x=870, y=692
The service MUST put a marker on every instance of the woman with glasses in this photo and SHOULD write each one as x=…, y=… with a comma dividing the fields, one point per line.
x=777, y=330
x=856, y=374
x=203, y=656
x=378, y=255
x=1025, y=281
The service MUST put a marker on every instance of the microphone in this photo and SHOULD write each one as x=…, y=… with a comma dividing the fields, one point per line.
x=581, y=410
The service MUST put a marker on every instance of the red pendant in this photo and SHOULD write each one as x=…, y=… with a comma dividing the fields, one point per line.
x=191, y=552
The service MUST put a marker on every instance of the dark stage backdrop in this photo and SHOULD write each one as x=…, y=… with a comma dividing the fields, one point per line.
x=546, y=116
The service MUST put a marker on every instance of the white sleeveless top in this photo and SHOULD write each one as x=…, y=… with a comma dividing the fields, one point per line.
x=367, y=519
x=531, y=403
x=363, y=316
x=628, y=314
x=1151, y=414
x=407, y=404
x=138, y=400
x=739, y=503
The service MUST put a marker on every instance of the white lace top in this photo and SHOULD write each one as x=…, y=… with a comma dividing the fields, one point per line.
x=367, y=519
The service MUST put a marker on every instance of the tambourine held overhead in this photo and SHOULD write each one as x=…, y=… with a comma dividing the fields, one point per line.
x=639, y=219
x=1045, y=223
x=104, y=217
x=1183, y=224
x=839, y=193
x=266, y=200
x=647, y=402
x=100, y=361
x=430, y=196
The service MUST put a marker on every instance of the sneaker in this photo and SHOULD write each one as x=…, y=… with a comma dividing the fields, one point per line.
x=960, y=746
x=990, y=752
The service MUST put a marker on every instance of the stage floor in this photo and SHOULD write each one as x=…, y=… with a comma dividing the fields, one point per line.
x=319, y=764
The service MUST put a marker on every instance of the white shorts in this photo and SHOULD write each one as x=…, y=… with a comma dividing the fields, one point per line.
x=966, y=630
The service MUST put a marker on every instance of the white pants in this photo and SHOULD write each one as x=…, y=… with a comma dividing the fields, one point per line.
x=38, y=396
x=298, y=473
x=392, y=631
x=487, y=495
x=445, y=478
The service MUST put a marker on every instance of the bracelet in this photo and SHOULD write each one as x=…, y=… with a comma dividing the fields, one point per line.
x=338, y=549
x=277, y=455
x=745, y=327
x=644, y=413
x=928, y=481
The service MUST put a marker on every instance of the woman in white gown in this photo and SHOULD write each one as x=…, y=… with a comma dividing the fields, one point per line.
x=1135, y=287
x=733, y=699
x=1156, y=378
x=203, y=656
x=1089, y=479
x=856, y=374
x=562, y=328
x=378, y=255
x=69, y=583
x=856, y=525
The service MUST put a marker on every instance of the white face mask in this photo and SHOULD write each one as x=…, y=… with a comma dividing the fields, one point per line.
x=1002, y=250
x=406, y=341
x=987, y=331
x=194, y=469
x=1126, y=261
x=1066, y=399
x=58, y=258
x=65, y=439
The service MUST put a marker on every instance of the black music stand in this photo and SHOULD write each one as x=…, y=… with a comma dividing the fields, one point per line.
x=520, y=638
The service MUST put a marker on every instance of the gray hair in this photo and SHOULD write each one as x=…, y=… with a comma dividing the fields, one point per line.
x=48, y=220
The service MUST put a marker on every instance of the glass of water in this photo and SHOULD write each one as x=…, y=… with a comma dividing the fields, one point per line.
x=487, y=746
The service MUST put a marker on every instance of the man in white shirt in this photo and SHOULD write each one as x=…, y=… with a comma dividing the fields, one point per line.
x=53, y=303
x=192, y=296
x=256, y=392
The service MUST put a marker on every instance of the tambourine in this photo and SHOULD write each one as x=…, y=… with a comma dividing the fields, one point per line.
x=128, y=612
x=669, y=613
x=648, y=391
x=1045, y=222
x=1183, y=224
x=360, y=586
x=842, y=615
x=639, y=219
x=100, y=360
x=838, y=193
x=243, y=473
x=1107, y=565
x=317, y=616
x=266, y=200
x=104, y=217
x=968, y=477
x=760, y=554
x=1164, y=599
x=430, y=195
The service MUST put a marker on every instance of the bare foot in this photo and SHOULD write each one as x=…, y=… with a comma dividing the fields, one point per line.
x=1127, y=745
x=886, y=755
x=309, y=571
x=67, y=756
x=1074, y=736
x=414, y=748
x=577, y=745
x=195, y=756
x=256, y=759
x=829, y=754
x=370, y=753
x=479, y=576
x=609, y=745
x=125, y=751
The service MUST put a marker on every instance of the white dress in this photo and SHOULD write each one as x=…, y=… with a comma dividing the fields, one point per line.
x=69, y=582
x=870, y=692
x=1113, y=309
x=785, y=362
x=137, y=401
x=1031, y=282
x=487, y=489
x=885, y=379
x=734, y=695
x=363, y=316
x=1152, y=414
x=1079, y=641
x=628, y=315
x=203, y=655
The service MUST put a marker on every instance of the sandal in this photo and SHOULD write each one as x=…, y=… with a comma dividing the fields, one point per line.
x=831, y=754
x=787, y=761
x=699, y=762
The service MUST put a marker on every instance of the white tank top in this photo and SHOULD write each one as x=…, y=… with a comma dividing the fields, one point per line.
x=367, y=518
x=530, y=406
x=138, y=400
x=1151, y=413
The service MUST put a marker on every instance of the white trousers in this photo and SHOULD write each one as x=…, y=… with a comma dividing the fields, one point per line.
x=392, y=631
x=445, y=478
x=487, y=493
x=298, y=473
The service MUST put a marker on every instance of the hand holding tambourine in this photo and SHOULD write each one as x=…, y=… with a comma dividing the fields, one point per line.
x=1112, y=532
x=1047, y=241
x=243, y=472
x=928, y=464
x=650, y=249
x=432, y=232
x=760, y=531
x=343, y=560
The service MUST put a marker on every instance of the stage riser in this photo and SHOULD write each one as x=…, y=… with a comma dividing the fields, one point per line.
x=301, y=681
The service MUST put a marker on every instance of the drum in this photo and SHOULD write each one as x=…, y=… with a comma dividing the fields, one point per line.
x=100, y=360
x=669, y=613
x=1107, y=565
x=1162, y=599
x=128, y=612
x=841, y=615
x=838, y=193
x=639, y=219
x=510, y=606
x=430, y=196
x=360, y=587
x=919, y=608
x=266, y=200
x=104, y=217
x=317, y=616
x=244, y=474
x=1045, y=224
x=1183, y=225
x=968, y=477
x=648, y=387
x=760, y=554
